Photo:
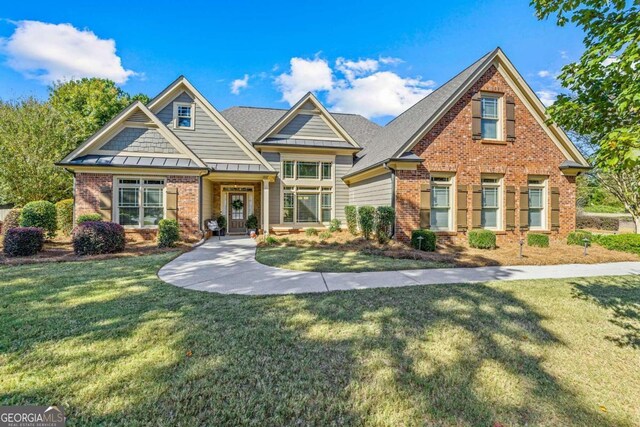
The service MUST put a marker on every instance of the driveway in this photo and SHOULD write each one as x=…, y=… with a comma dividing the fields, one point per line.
x=228, y=266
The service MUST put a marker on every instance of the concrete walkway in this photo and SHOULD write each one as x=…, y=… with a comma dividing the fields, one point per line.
x=228, y=266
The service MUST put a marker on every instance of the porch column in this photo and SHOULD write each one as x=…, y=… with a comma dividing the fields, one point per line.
x=265, y=206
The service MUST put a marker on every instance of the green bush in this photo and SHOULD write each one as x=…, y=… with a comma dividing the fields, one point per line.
x=351, y=213
x=168, y=233
x=88, y=217
x=23, y=241
x=428, y=240
x=335, y=225
x=311, y=232
x=41, y=214
x=577, y=238
x=64, y=212
x=482, y=239
x=98, y=237
x=271, y=240
x=598, y=222
x=366, y=220
x=385, y=215
x=325, y=235
x=620, y=242
x=12, y=220
x=539, y=240
x=252, y=222
x=222, y=221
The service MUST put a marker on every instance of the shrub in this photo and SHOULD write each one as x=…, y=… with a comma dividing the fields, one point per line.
x=335, y=225
x=23, y=241
x=621, y=242
x=98, y=237
x=351, y=213
x=222, y=221
x=88, y=217
x=168, y=233
x=539, y=240
x=385, y=216
x=64, y=214
x=252, y=222
x=311, y=232
x=482, y=239
x=325, y=235
x=270, y=241
x=40, y=214
x=428, y=242
x=12, y=220
x=366, y=220
x=577, y=238
x=598, y=223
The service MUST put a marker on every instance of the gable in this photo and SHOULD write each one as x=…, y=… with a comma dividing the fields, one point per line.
x=139, y=140
x=308, y=126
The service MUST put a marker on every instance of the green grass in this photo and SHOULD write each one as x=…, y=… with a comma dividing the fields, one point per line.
x=333, y=260
x=110, y=342
x=603, y=209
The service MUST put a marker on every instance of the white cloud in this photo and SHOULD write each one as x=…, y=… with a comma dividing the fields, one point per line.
x=564, y=54
x=389, y=60
x=548, y=97
x=544, y=73
x=352, y=69
x=52, y=52
x=239, y=84
x=306, y=75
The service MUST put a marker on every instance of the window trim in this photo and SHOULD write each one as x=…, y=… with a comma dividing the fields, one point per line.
x=544, y=185
x=191, y=105
x=140, y=187
x=500, y=186
x=451, y=185
x=499, y=121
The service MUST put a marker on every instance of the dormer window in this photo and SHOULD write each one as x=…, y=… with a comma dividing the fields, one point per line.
x=490, y=123
x=183, y=115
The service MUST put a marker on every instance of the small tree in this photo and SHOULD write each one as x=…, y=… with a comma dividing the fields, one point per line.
x=351, y=214
x=366, y=220
x=64, y=211
x=385, y=216
x=41, y=214
x=624, y=183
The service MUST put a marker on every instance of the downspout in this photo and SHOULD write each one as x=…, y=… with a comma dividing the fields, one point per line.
x=200, y=205
x=393, y=196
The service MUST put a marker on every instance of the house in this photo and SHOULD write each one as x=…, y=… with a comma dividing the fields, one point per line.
x=475, y=153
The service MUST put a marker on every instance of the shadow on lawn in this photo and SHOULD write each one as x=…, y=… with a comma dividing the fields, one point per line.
x=110, y=344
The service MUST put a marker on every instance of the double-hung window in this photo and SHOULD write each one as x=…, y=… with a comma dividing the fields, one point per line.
x=140, y=202
x=183, y=115
x=441, y=217
x=537, y=202
x=490, y=122
x=491, y=200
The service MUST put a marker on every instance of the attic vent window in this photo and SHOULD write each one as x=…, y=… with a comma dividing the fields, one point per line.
x=183, y=115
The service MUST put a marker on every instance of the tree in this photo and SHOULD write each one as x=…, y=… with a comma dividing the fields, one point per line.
x=624, y=183
x=604, y=85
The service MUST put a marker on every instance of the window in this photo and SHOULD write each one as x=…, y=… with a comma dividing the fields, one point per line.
x=490, y=122
x=183, y=115
x=288, y=205
x=307, y=207
x=326, y=170
x=287, y=168
x=297, y=169
x=491, y=201
x=537, y=201
x=308, y=170
x=140, y=202
x=441, y=203
x=326, y=206
x=304, y=201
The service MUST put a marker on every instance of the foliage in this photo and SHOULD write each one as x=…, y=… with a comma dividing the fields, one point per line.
x=252, y=222
x=98, y=237
x=593, y=196
x=366, y=220
x=40, y=214
x=64, y=215
x=12, y=220
x=428, y=242
x=335, y=225
x=222, y=221
x=168, y=233
x=537, y=239
x=351, y=213
x=598, y=222
x=577, y=238
x=237, y=204
x=325, y=235
x=23, y=241
x=88, y=217
x=621, y=242
x=271, y=240
x=385, y=216
x=482, y=239
x=310, y=232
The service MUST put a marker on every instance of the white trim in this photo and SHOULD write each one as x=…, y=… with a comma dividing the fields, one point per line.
x=500, y=186
x=192, y=106
x=451, y=184
x=115, y=196
x=500, y=113
x=224, y=200
x=545, y=200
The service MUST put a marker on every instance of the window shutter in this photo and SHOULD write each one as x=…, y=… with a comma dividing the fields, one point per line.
x=476, y=116
x=106, y=197
x=511, y=119
x=476, y=203
x=555, y=208
x=172, y=203
x=461, y=217
x=425, y=205
x=524, y=207
x=511, y=207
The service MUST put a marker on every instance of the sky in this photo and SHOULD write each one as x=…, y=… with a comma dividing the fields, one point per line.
x=372, y=58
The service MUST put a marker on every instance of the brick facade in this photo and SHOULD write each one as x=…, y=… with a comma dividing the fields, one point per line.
x=257, y=197
x=449, y=147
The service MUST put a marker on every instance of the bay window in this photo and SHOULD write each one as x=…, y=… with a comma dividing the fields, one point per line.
x=140, y=202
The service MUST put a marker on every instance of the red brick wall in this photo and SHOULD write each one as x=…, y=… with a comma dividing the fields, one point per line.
x=87, y=200
x=449, y=147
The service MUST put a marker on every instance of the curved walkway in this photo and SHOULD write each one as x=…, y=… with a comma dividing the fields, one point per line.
x=229, y=267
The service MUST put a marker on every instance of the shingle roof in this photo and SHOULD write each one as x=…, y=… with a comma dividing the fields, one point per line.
x=386, y=143
x=129, y=161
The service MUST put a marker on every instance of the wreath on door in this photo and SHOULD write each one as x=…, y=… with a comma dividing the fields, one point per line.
x=237, y=204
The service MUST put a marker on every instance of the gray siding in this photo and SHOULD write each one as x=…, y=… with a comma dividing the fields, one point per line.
x=139, y=117
x=274, y=188
x=207, y=140
x=139, y=140
x=343, y=165
x=307, y=126
x=374, y=191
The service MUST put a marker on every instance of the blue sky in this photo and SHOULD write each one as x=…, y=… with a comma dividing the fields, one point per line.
x=374, y=58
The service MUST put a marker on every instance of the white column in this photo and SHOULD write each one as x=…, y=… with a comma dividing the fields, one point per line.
x=265, y=206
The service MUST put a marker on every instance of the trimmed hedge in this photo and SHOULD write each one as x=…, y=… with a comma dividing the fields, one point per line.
x=12, y=220
x=98, y=237
x=41, y=214
x=577, y=238
x=23, y=241
x=366, y=220
x=428, y=242
x=168, y=233
x=94, y=217
x=620, y=242
x=64, y=214
x=482, y=239
x=598, y=223
x=351, y=213
x=335, y=225
x=385, y=216
x=539, y=240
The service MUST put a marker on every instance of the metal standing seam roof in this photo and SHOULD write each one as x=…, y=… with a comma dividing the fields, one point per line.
x=128, y=161
x=307, y=143
x=238, y=167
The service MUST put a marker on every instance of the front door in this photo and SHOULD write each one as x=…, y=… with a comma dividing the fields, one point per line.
x=237, y=212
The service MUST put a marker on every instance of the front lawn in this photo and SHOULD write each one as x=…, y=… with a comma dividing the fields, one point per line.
x=116, y=346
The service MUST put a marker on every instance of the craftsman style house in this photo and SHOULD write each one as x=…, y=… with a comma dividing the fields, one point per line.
x=475, y=153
